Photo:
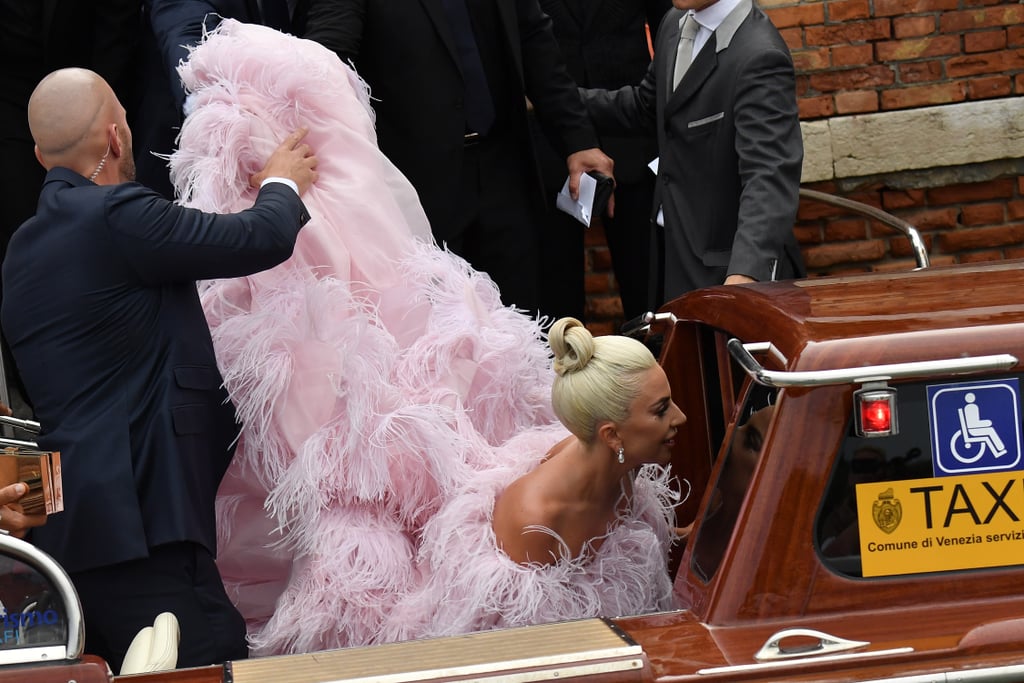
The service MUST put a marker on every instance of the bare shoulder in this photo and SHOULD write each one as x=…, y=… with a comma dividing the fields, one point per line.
x=520, y=513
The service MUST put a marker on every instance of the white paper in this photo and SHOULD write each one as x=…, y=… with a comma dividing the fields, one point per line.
x=583, y=208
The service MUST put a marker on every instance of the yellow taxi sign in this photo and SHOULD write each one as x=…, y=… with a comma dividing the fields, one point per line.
x=938, y=524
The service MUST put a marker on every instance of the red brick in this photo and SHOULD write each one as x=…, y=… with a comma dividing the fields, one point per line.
x=597, y=283
x=982, y=238
x=843, y=34
x=846, y=230
x=1001, y=188
x=794, y=37
x=797, y=15
x=807, y=233
x=985, y=41
x=847, y=10
x=920, y=72
x=1020, y=184
x=989, y=87
x=930, y=220
x=803, y=85
x=1015, y=36
x=902, y=266
x=987, y=256
x=599, y=329
x=987, y=63
x=913, y=27
x=924, y=95
x=1006, y=15
x=813, y=59
x=902, y=199
x=603, y=307
x=1014, y=252
x=852, y=55
x=982, y=214
x=1015, y=209
x=892, y=8
x=905, y=50
x=1018, y=83
x=846, y=252
x=856, y=102
x=811, y=210
x=816, y=107
x=600, y=260
x=852, y=79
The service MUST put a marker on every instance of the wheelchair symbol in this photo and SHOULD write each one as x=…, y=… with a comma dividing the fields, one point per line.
x=975, y=435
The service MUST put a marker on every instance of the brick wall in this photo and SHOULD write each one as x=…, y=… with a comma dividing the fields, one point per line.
x=870, y=56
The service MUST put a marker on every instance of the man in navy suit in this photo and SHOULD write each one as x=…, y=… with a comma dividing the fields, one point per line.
x=105, y=325
x=729, y=143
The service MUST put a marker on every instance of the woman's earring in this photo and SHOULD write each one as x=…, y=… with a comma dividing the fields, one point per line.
x=622, y=455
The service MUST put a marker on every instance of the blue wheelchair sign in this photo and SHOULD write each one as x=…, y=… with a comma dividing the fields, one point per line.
x=975, y=427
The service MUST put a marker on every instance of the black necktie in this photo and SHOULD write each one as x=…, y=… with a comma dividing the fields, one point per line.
x=478, y=105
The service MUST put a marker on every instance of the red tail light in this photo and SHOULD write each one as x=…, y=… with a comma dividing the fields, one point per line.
x=875, y=410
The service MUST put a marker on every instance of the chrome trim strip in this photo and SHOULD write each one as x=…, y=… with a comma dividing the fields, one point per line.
x=1011, y=673
x=816, y=378
x=30, y=655
x=846, y=656
x=481, y=673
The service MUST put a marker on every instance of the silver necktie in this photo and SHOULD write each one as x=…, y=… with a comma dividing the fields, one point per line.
x=684, y=53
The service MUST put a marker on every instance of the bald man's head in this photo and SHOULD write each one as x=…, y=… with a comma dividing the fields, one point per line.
x=75, y=119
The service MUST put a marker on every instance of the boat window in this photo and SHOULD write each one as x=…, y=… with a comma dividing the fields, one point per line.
x=734, y=476
x=32, y=614
x=906, y=504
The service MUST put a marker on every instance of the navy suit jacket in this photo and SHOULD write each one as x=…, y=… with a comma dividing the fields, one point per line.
x=104, y=321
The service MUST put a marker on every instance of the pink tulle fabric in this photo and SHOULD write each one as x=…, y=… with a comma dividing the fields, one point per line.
x=386, y=394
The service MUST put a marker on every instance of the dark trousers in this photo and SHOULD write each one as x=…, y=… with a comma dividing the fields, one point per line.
x=118, y=601
x=629, y=236
x=496, y=224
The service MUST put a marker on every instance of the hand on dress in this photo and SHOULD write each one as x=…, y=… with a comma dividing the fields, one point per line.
x=12, y=517
x=293, y=160
x=592, y=159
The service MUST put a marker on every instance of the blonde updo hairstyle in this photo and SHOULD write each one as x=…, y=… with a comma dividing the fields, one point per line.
x=596, y=378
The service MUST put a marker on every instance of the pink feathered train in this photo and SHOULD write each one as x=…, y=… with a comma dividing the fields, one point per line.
x=386, y=394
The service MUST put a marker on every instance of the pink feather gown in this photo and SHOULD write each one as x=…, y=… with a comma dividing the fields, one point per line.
x=386, y=394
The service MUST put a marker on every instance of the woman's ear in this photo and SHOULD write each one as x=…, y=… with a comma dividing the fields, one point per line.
x=608, y=433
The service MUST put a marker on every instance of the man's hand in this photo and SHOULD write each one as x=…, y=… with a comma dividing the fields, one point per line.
x=290, y=160
x=12, y=519
x=592, y=159
x=738, y=280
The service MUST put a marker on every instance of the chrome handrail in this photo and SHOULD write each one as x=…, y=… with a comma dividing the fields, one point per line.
x=898, y=224
x=25, y=425
x=815, y=378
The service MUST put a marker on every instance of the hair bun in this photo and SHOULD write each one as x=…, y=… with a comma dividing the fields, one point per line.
x=572, y=344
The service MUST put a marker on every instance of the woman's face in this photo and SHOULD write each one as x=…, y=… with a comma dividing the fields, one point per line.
x=648, y=432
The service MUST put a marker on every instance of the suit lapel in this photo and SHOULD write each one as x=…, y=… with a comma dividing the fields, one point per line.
x=700, y=69
x=440, y=20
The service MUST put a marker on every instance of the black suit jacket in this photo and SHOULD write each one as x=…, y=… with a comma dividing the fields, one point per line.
x=104, y=321
x=730, y=151
x=604, y=44
x=406, y=53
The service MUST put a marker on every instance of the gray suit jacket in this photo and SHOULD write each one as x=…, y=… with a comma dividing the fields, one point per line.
x=730, y=152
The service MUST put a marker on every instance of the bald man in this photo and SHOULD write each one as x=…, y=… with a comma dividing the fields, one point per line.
x=105, y=324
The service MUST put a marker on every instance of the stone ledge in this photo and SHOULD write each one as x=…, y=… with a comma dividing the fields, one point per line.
x=913, y=139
